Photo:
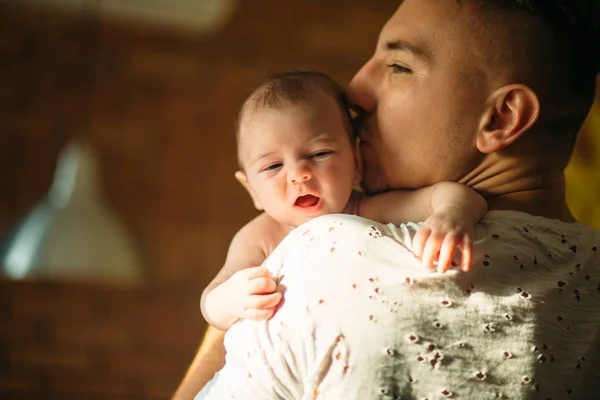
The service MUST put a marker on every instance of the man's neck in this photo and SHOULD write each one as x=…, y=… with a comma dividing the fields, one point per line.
x=515, y=185
x=540, y=202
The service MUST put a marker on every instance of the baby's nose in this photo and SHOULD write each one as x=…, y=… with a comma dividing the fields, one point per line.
x=299, y=174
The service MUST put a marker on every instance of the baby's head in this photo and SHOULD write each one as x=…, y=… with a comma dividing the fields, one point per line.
x=296, y=147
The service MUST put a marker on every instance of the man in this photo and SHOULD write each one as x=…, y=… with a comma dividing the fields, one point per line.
x=490, y=93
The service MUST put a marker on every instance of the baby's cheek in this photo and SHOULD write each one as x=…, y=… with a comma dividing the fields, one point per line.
x=339, y=194
x=338, y=205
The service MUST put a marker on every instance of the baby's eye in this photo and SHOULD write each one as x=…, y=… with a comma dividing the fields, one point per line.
x=398, y=69
x=272, y=167
x=321, y=154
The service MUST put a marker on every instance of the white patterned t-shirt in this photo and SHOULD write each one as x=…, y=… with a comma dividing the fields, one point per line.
x=362, y=319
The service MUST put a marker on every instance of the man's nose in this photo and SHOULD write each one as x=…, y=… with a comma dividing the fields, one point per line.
x=361, y=91
x=299, y=173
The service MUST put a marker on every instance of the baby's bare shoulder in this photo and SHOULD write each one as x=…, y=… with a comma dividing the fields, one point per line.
x=263, y=230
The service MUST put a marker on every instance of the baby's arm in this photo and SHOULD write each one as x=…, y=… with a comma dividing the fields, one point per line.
x=241, y=289
x=450, y=211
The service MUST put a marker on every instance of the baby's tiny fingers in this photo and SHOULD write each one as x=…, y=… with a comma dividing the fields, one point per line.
x=255, y=314
x=467, y=252
x=420, y=240
x=262, y=301
x=432, y=247
x=447, y=253
x=262, y=286
x=254, y=272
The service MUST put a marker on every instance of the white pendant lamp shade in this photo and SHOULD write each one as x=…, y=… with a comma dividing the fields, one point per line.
x=72, y=234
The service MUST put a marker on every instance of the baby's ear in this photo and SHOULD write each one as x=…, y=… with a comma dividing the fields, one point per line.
x=243, y=179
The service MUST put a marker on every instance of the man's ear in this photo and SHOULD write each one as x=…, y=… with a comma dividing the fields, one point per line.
x=243, y=179
x=358, y=167
x=511, y=111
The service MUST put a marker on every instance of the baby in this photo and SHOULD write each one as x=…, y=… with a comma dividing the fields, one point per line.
x=299, y=159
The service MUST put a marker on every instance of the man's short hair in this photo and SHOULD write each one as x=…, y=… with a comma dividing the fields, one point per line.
x=293, y=88
x=578, y=21
x=555, y=48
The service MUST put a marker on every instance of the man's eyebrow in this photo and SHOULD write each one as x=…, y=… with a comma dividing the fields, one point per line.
x=402, y=45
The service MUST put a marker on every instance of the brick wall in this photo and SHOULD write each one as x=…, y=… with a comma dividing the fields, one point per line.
x=159, y=106
x=86, y=341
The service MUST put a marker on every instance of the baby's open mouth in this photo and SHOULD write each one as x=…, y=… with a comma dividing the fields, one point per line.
x=307, y=201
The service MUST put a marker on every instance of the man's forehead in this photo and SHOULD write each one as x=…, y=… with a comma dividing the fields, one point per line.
x=419, y=20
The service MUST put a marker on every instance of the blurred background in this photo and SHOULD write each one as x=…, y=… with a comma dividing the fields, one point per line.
x=126, y=110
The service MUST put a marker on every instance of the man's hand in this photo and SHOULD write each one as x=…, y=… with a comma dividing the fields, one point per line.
x=439, y=237
x=250, y=293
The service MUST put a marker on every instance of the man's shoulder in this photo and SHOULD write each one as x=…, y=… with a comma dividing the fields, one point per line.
x=352, y=225
x=350, y=231
x=341, y=239
x=525, y=228
x=510, y=217
x=335, y=220
x=514, y=242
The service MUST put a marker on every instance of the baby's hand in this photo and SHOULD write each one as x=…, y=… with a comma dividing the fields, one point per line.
x=439, y=237
x=251, y=292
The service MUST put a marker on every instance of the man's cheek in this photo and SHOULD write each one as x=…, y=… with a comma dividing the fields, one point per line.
x=366, y=163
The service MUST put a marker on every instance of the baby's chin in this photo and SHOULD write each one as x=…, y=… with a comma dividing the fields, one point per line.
x=299, y=220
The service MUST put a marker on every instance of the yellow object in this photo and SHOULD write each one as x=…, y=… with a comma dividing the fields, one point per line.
x=583, y=172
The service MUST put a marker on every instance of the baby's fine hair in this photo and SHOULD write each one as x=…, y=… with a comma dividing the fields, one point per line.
x=293, y=88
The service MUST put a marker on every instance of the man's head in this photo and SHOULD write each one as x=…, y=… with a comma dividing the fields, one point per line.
x=296, y=147
x=461, y=89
